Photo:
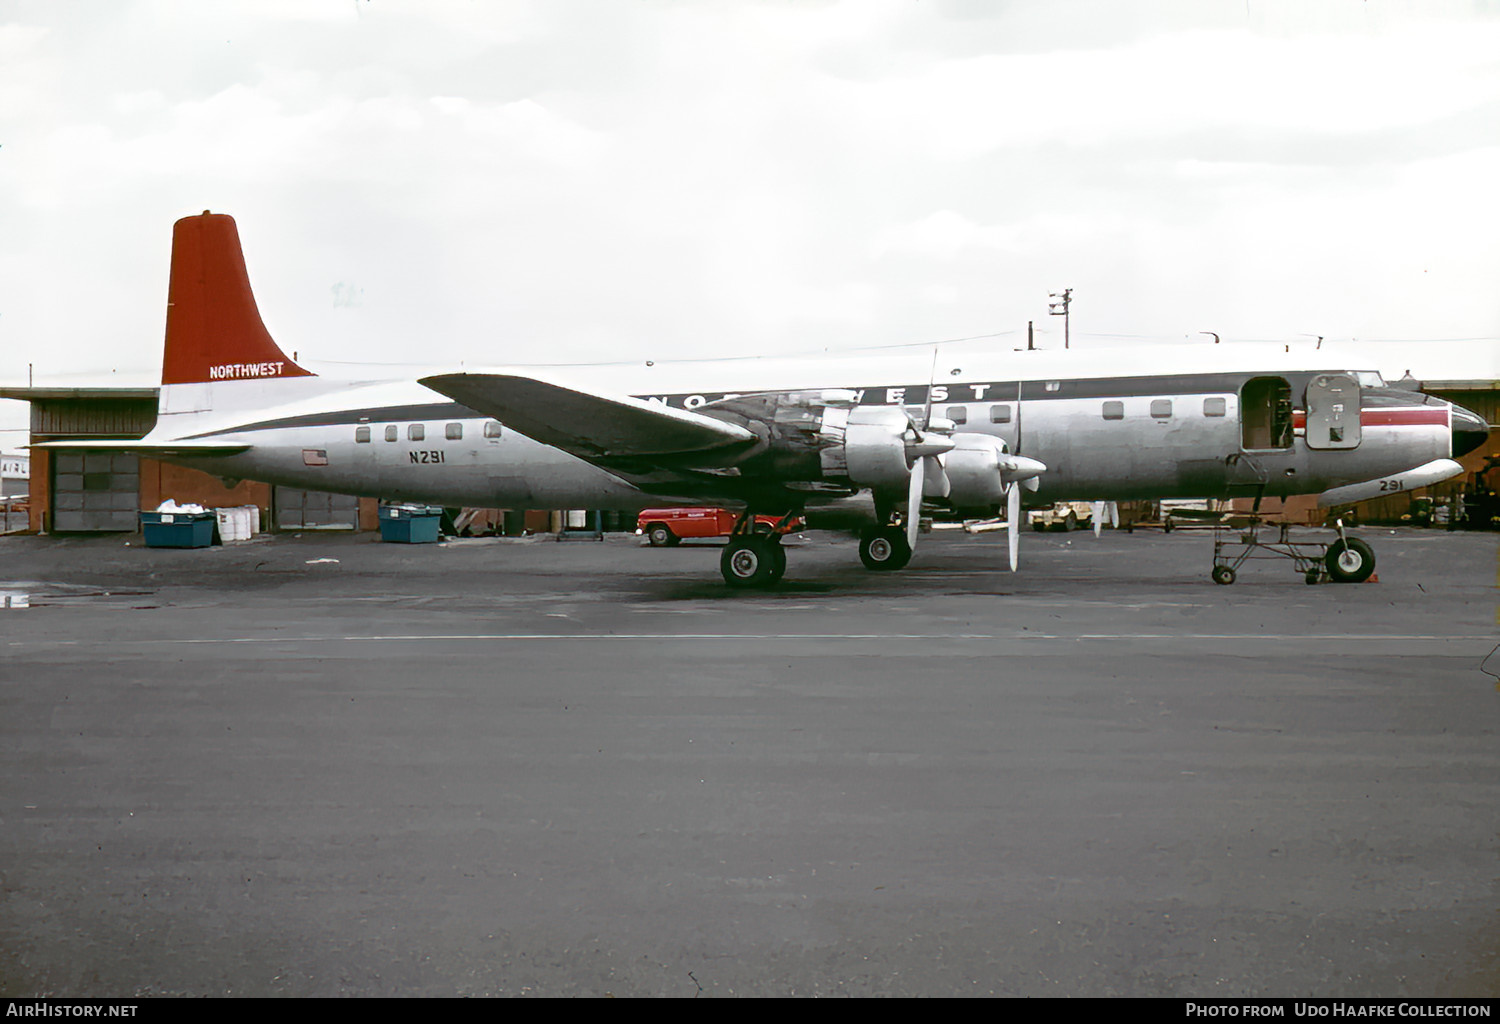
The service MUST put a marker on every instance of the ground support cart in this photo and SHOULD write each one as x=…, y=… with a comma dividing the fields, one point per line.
x=1236, y=541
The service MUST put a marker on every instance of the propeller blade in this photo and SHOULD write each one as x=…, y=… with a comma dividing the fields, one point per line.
x=914, y=501
x=1013, y=524
x=935, y=482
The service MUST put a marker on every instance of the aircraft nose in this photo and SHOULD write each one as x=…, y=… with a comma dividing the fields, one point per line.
x=1469, y=431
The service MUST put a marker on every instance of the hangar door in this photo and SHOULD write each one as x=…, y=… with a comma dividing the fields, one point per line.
x=315, y=510
x=95, y=491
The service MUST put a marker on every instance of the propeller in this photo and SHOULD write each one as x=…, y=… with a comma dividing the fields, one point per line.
x=1017, y=471
x=1013, y=522
x=914, y=501
x=1104, y=511
x=925, y=451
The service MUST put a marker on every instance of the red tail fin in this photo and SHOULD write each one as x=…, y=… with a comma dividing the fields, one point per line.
x=214, y=330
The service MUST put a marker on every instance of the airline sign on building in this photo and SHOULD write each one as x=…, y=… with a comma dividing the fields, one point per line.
x=15, y=474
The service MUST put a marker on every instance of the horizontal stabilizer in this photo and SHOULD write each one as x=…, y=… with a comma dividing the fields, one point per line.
x=589, y=425
x=153, y=450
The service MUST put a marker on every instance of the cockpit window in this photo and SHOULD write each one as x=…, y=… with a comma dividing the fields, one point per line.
x=1368, y=378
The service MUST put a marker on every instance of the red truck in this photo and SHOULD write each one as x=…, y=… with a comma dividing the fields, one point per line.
x=667, y=526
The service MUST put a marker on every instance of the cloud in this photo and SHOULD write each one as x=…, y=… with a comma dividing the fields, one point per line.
x=584, y=180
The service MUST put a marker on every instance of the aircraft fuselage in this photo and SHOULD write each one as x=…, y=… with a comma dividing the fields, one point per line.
x=1102, y=438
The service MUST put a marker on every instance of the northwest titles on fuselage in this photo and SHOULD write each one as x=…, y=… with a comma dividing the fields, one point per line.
x=1060, y=388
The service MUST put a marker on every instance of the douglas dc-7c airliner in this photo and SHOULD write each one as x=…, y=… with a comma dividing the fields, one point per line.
x=867, y=441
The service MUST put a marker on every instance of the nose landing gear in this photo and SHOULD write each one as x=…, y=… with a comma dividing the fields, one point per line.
x=1346, y=560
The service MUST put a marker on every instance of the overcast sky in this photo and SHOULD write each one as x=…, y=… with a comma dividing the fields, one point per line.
x=493, y=181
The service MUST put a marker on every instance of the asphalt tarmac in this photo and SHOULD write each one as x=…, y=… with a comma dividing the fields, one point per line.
x=323, y=765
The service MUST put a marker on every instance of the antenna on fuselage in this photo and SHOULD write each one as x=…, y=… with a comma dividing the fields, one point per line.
x=931, y=380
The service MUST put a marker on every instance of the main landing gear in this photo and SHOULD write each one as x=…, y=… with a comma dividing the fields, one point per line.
x=754, y=556
x=884, y=548
x=753, y=560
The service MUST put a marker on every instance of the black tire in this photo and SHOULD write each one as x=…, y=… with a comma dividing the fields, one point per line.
x=885, y=550
x=752, y=562
x=1349, y=561
x=661, y=536
x=1223, y=575
x=778, y=567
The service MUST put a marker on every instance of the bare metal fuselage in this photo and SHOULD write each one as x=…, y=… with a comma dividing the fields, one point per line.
x=1102, y=438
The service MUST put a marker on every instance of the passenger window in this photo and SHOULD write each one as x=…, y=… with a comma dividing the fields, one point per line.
x=999, y=414
x=361, y=435
x=958, y=413
x=454, y=432
x=1114, y=410
x=492, y=429
x=1213, y=407
x=1161, y=408
x=392, y=432
x=416, y=432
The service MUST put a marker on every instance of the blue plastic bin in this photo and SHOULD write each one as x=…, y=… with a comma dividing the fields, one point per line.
x=410, y=524
x=178, y=529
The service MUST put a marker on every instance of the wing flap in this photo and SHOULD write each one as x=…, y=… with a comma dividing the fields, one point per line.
x=591, y=425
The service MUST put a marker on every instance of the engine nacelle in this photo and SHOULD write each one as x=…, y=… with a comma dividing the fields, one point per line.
x=975, y=477
x=980, y=468
x=822, y=440
x=872, y=451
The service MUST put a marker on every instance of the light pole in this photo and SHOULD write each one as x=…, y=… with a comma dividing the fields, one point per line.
x=1059, y=307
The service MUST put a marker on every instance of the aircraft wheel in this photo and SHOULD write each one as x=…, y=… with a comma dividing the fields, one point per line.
x=661, y=536
x=1223, y=575
x=1311, y=577
x=885, y=549
x=778, y=556
x=1349, y=561
x=752, y=562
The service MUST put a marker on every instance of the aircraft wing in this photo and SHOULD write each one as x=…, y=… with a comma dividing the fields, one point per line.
x=204, y=448
x=595, y=426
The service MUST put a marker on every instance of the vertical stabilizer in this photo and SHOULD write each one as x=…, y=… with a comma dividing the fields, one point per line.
x=214, y=330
